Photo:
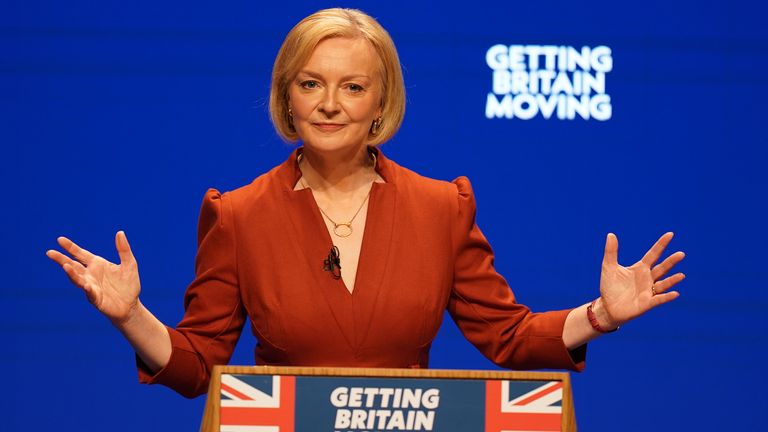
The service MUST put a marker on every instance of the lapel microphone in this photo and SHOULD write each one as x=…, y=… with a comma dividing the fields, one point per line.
x=332, y=263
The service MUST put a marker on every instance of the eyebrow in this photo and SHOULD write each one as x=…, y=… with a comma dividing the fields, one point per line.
x=344, y=78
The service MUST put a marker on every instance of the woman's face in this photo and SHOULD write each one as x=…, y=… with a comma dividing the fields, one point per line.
x=336, y=96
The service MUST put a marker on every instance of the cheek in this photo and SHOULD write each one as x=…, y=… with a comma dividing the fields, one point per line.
x=301, y=104
x=362, y=109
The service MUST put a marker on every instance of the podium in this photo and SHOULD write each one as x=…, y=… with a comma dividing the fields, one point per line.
x=311, y=399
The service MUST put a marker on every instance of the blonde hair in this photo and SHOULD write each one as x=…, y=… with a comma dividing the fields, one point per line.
x=299, y=45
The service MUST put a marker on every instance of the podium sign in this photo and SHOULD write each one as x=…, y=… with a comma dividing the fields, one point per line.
x=269, y=399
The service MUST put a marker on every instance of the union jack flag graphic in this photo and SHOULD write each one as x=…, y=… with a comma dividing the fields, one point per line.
x=517, y=406
x=257, y=403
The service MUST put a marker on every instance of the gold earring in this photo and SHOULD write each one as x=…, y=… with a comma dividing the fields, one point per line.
x=375, y=126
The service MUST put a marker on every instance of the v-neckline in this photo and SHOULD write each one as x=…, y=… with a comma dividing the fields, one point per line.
x=351, y=310
x=329, y=240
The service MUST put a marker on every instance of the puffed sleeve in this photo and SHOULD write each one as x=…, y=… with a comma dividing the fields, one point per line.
x=214, y=314
x=484, y=307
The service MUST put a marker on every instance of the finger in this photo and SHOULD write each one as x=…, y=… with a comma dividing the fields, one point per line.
x=662, y=269
x=654, y=253
x=611, y=254
x=63, y=260
x=74, y=274
x=663, y=285
x=76, y=251
x=59, y=258
x=660, y=299
x=123, y=248
x=72, y=268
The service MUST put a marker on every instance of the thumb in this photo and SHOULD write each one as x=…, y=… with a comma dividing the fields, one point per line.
x=123, y=248
x=611, y=254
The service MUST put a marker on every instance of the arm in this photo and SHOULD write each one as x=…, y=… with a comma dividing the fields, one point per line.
x=179, y=358
x=511, y=335
x=213, y=312
x=486, y=311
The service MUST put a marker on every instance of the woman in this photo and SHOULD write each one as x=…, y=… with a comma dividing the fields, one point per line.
x=341, y=257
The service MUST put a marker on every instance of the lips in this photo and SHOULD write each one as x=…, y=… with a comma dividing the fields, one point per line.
x=328, y=127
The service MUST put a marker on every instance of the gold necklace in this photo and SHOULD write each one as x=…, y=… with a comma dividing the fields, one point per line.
x=342, y=229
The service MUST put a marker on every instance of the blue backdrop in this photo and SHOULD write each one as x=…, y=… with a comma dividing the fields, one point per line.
x=119, y=115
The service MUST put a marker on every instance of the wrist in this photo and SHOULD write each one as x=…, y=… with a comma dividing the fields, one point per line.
x=133, y=316
x=599, y=318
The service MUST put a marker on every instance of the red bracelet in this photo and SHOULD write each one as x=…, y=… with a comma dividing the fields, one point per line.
x=593, y=319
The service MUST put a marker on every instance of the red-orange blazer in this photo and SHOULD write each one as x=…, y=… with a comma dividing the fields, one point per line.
x=260, y=255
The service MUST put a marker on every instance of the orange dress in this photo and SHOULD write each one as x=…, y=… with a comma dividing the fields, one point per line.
x=260, y=255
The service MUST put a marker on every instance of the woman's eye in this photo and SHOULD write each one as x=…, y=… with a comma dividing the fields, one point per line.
x=355, y=88
x=308, y=84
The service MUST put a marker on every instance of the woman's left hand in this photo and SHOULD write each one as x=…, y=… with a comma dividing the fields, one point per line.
x=628, y=292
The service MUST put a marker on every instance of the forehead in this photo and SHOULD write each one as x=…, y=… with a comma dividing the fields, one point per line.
x=345, y=56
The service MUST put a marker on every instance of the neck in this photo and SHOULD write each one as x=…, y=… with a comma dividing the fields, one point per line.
x=339, y=172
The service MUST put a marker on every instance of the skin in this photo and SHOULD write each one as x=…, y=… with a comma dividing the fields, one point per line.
x=114, y=290
x=625, y=292
x=334, y=99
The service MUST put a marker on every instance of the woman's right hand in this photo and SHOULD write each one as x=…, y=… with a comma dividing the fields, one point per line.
x=113, y=289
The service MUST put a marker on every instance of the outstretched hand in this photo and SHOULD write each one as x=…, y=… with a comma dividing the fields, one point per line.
x=628, y=292
x=113, y=289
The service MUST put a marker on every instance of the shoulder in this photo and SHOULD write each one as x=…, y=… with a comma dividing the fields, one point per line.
x=441, y=203
x=263, y=188
x=411, y=182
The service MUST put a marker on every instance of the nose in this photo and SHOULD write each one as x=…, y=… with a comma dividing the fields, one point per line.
x=329, y=105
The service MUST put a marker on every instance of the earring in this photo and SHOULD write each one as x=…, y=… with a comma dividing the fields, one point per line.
x=290, y=119
x=375, y=126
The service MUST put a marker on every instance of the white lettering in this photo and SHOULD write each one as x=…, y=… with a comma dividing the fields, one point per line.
x=516, y=57
x=497, y=57
x=594, y=83
x=525, y=106
x=396, y=421
x=495, y=108
x=370, y=396
x=600, y=108
x=355, y=397
x=501, y=82
x=342, y=418
x=562, y=82
x=546, y=105
x=430, y=399
x=339, y=397
x=424, y=420
x=519, y=82
x=383, y=416
x=358, y=419
x=386, y=393
x=601, y=59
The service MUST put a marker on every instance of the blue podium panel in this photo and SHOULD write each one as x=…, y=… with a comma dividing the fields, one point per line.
x=260, y=403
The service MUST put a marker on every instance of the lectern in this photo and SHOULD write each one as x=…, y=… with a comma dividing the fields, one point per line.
x=302, y=399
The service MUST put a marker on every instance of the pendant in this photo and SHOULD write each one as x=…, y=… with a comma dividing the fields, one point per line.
x=342, y=229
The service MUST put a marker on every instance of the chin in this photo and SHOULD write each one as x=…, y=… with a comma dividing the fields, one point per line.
x=332, y=143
